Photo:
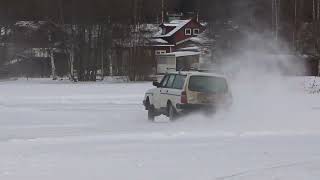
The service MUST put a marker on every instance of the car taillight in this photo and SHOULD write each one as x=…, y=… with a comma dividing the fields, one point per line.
x=184, y=98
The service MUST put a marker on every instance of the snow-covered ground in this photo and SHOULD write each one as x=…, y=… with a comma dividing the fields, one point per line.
x=60, y=130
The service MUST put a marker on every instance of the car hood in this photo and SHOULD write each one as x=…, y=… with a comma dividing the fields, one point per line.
x=151, y=90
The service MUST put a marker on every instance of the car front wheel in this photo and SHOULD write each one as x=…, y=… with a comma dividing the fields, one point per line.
x=151, y=115
x=151, y=112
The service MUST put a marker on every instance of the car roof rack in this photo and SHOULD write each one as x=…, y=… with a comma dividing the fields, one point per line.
x=195, y=70
x=168, y=69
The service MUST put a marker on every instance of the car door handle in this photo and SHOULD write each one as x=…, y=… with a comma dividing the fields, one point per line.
x=164, y=91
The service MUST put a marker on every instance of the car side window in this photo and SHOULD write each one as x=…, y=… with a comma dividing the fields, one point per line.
x=170, y=81
x=179, y=82
x=164, y=81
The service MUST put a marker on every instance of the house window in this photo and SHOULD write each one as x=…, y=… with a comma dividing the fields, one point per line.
x=158, y=52
x=188, y=32
x=196, y=31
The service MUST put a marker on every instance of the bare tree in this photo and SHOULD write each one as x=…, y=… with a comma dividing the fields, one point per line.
x=51, y=52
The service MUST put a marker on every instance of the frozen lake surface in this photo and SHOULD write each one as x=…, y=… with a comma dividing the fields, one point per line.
x=60, y=130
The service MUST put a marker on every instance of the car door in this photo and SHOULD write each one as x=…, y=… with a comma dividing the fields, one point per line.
x=165, y=91
x=177, y=89
x=158, y=96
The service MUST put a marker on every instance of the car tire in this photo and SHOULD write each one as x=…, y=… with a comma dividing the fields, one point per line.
x=151, y=112
x=151, y=115
x=172, y=113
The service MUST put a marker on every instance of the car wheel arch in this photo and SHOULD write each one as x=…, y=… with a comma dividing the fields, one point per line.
x=169, y=103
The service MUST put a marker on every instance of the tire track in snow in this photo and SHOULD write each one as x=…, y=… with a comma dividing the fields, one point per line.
x=252, y=171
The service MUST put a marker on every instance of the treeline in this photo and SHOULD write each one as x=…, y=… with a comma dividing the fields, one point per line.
x=17, y=9
x=92, y=11
x=105, y=36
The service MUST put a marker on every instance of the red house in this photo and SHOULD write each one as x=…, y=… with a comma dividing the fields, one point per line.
x=175, y=34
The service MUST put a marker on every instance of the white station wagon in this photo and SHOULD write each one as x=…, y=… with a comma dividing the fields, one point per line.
x=180, y=93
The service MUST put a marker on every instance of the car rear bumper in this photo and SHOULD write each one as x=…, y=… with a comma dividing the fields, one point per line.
x=195, y=107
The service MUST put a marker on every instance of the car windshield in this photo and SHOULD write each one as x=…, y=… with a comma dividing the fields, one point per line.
x=208, y=84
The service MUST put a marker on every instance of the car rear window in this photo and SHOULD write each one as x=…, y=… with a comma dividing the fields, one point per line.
x=170, y=81
x=164, y=81
x=179, y=82
x=208, y=84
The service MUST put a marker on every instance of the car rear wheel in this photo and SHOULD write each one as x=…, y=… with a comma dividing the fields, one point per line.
x=172, y=113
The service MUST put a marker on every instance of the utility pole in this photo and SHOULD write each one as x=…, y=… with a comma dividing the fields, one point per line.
x=276, y=4
x=162, y=11
x=272, y=17
x=318, y=9
x=295, y=24
x=275, y=18
x=197, y=16
x=313, y=9
x=317, y=23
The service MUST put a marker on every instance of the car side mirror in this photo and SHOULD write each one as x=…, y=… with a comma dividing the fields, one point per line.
x=156, y=84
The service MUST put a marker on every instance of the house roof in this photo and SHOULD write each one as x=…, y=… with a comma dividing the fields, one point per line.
x=178, y=24
x=159, y=41
x=191, y=48
x=178, y=21
x=30, y=24
x=182, y=53
x=169, y=25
